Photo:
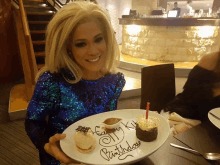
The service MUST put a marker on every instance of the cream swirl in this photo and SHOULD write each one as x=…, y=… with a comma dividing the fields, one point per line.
x=148, y=124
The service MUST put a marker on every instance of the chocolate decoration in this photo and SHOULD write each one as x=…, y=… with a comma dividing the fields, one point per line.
x=110, y=141
x=107, y=138
x=119, y=151
x=130, y=126
x=82, y=129
x=109, y=130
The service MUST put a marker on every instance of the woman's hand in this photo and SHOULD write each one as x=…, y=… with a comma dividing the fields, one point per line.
x=53, y=148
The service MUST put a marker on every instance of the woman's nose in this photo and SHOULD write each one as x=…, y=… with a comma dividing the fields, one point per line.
x=93, y=50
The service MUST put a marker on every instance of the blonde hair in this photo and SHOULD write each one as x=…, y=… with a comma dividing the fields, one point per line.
x=61, y=28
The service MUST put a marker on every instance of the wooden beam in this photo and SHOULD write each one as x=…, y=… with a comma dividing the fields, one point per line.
x=24, y=55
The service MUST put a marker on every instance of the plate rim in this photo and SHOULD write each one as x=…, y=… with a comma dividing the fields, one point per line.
x=129, y=161
x=211, y=117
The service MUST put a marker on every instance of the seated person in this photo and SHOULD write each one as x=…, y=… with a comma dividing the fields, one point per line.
x=78, y=80
x=201, y=92
x=177, y=8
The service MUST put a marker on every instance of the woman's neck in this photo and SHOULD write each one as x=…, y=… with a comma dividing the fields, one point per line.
x=93, y=75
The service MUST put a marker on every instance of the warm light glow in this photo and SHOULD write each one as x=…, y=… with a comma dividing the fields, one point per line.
x=200, y=50
x=133, y=39
x=133, y=29
x=126, y=11
x=132, y=84
x=205, y=31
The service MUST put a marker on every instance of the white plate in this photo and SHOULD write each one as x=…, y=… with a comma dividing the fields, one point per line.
x=215, y=121
x=123, y=144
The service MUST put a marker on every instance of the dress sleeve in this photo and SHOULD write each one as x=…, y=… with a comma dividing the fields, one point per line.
x=45, y=101
x=119, y=87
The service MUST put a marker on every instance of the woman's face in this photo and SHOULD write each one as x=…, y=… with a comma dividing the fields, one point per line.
x=89, y=49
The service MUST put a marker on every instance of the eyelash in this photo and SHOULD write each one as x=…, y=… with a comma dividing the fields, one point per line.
x=82, y=44
x=99, y=39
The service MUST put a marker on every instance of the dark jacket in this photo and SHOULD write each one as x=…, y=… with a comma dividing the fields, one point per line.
x=197, y=99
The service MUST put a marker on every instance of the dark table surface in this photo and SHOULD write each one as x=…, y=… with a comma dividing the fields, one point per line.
x=168, y=155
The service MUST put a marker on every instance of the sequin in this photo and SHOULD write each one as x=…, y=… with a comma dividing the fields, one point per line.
x=67, y=103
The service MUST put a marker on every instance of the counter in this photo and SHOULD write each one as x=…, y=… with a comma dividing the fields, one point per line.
x=170, y=40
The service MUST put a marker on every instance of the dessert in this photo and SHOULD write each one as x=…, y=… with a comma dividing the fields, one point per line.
x=147, y=129
x=84, y=139
x=112, y=121
x=111, y=124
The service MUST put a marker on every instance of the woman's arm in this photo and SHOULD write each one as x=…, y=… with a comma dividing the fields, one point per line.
x=45, y=101
x=120, y=84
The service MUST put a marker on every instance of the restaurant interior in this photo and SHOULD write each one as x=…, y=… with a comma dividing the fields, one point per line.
x=150, y=34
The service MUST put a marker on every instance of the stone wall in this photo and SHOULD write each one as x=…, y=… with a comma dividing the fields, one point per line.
x=169, y=43
x=144, y=6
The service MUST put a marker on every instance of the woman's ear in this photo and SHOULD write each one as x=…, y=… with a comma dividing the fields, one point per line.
x=68, y=49
x=69, y=52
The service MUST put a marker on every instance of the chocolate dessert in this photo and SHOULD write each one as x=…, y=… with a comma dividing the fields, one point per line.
x=147, y=129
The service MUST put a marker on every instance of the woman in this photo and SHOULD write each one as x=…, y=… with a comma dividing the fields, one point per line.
x=78, y=79
x=201, y=92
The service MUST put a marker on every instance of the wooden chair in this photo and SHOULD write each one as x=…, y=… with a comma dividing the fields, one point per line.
x=157, y=86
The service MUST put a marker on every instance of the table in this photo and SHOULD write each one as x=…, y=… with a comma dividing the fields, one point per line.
x=168, y=155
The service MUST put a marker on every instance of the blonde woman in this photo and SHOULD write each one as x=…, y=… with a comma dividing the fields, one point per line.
x=78, y=79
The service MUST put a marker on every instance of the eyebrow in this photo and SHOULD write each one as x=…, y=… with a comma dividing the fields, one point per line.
x=100, y=34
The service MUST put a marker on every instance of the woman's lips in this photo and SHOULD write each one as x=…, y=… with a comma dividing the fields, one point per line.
x=94, y=60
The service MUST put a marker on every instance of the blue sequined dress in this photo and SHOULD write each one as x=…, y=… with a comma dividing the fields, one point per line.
x=66, y=103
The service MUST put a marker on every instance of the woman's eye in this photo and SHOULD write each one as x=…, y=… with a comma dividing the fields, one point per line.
x=82, y=44
x=99, y=39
